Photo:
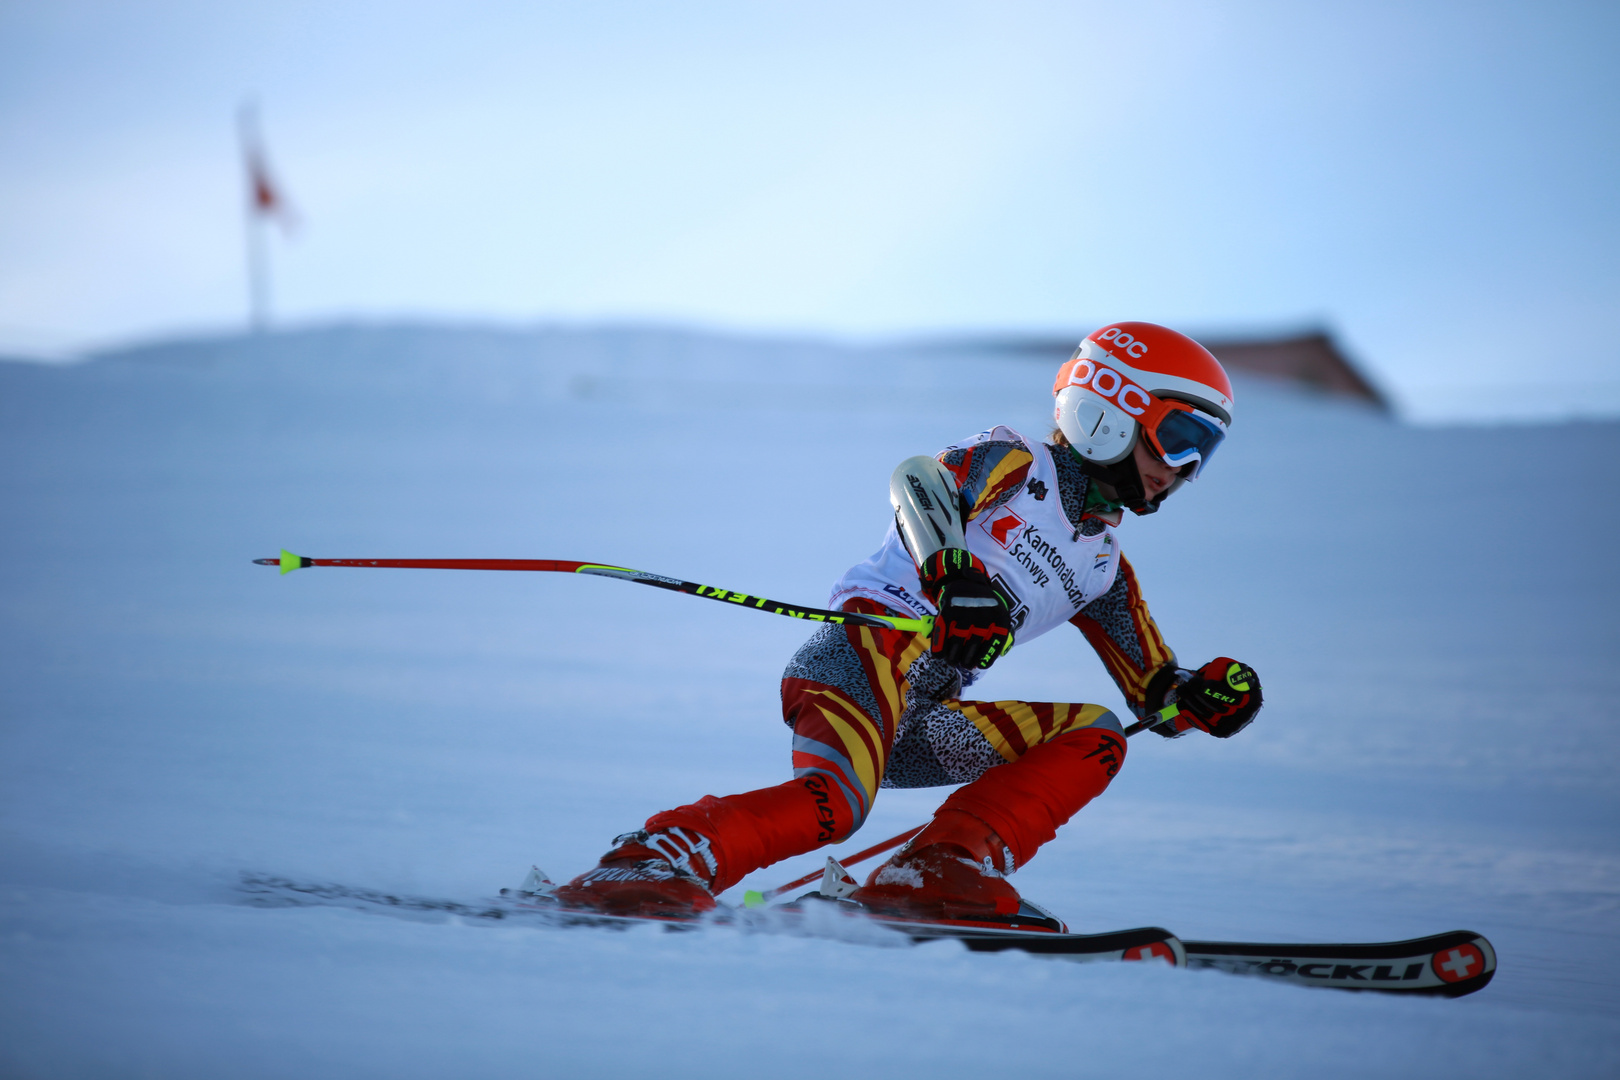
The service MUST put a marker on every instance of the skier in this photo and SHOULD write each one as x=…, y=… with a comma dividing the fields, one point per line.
x=1000, y=537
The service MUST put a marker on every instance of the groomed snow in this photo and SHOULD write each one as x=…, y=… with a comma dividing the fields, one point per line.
x=1432, y=611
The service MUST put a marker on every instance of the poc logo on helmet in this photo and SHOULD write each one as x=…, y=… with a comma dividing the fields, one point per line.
x=1105, y=382
x=1126, y=342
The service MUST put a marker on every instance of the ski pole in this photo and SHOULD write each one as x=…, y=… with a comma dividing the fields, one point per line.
x=1152, y=720
x=290, y=562
x=858, y=857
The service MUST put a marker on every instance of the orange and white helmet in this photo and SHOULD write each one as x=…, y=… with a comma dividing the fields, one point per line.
x=1136, y=378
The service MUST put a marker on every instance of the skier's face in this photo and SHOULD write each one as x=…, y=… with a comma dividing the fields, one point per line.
x=1156, y=475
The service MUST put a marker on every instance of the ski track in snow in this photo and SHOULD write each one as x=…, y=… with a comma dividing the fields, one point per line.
x=1431, y=610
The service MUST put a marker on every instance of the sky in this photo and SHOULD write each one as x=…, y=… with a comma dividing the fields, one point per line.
x=1434, y=182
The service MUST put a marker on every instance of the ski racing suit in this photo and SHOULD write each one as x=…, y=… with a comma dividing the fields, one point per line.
x=872, y=708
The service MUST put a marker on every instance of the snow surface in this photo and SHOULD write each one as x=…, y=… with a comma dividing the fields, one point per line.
x=1432, y=610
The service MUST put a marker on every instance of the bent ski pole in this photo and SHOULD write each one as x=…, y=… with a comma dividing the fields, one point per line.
x=290, y=562
x=753, y=899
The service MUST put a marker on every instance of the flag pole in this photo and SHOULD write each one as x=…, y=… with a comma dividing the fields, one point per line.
x=258, y=266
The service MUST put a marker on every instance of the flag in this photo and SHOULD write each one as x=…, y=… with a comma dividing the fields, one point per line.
x=266, y=199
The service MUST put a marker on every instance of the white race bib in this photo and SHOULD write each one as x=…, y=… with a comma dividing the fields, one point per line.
x=1028, y=545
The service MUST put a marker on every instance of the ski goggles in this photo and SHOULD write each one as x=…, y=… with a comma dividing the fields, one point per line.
x=1181, y=434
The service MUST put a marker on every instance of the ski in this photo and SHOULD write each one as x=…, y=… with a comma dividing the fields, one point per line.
x=1446, y=965
x=273, y=891
x=1032, y=929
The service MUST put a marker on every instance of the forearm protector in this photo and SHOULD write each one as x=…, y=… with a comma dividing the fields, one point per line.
x=927, y=507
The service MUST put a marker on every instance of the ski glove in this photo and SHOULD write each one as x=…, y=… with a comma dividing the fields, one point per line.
x=1220, y=698
x=974, y=625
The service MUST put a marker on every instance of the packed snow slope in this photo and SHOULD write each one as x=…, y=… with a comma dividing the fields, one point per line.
x=1433, y=613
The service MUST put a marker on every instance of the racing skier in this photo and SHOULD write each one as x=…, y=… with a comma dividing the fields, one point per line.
x=1001, y=537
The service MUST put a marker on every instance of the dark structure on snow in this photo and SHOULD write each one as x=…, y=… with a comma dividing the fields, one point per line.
x=1311, y=359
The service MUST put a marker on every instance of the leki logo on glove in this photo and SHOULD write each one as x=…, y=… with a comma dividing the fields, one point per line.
x=1238, y=676
x=1107, y=383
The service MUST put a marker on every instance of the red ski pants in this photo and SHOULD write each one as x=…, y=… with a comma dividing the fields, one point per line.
x=845, y=695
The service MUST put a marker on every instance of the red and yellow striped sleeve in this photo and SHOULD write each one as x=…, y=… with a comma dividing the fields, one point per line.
x=1127, y=640
x=988, y=473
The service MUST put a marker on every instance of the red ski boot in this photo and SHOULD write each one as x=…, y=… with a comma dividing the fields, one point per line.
x=953, y=870
x=662, y=875
x=681, y=859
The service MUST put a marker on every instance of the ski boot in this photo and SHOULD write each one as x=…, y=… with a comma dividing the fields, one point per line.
x=661, y=875
x=953, y=871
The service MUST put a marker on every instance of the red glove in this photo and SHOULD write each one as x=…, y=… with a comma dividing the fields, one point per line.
x=974, y=624
x=1220, y=698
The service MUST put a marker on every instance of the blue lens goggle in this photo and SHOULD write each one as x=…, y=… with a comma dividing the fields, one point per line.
x=1182, y=435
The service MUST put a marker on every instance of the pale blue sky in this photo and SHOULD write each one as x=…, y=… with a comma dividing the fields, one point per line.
x=1437, y=181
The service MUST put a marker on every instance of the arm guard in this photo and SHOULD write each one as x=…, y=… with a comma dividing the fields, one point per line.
x=927, y=507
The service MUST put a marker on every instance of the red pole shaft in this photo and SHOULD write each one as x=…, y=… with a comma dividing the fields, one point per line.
x=288, y=562
x=859, y=856
x=553, y=565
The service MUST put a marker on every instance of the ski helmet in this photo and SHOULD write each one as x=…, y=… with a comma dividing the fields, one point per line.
x=1137, y=380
